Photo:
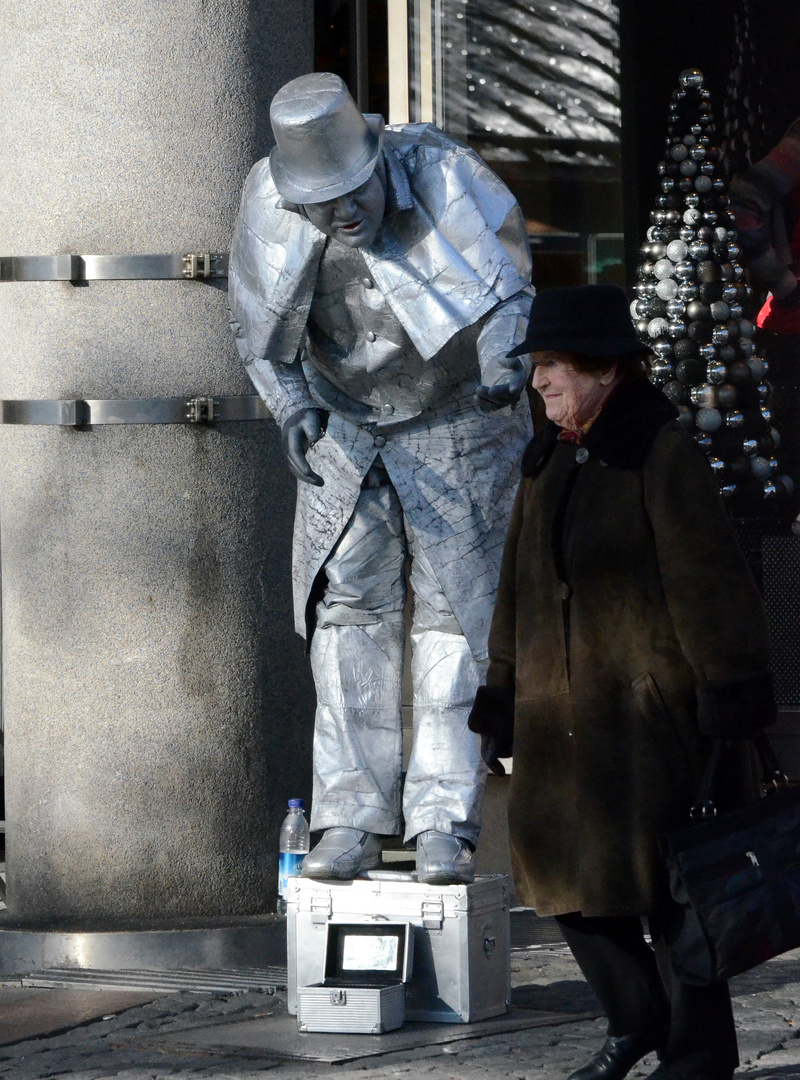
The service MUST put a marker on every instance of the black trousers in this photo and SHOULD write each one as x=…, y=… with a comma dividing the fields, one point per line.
x=639, y=992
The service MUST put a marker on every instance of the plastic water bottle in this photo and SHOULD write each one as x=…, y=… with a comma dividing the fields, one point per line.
x=294, y=845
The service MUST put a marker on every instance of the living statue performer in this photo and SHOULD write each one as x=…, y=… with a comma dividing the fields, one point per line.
x=378, y=279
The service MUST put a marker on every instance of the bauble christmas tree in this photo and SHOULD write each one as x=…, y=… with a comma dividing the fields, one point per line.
x=694, y=308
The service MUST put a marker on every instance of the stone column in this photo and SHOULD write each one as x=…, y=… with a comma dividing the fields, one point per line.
x=158, y=707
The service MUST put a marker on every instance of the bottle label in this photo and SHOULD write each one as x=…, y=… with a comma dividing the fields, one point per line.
x=289, y=865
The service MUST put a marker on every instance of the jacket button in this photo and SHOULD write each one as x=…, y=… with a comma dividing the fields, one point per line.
x=387, y=409
x=564, y=591
x=368, y=283
x=369, y=335
x=379, y=440
x=581, y=455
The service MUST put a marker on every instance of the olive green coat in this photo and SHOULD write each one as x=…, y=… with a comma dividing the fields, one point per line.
x=622, y=592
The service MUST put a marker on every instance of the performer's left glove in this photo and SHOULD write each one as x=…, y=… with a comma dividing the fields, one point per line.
x=504, y=381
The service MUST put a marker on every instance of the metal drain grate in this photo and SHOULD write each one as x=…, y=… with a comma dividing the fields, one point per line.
x=221, y=981
x=529, y=929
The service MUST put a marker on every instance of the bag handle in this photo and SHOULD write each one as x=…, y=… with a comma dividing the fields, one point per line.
x=772, y=775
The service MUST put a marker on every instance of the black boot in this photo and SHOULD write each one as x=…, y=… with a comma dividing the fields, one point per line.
x=619, y=1054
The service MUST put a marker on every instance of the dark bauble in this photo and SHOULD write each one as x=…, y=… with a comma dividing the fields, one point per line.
x=707, y=271
x=692, y=371
x=727, y=271
x=709, y=291
x=685, y=416
x=687, y=234
x=684, y=349
x=707, y=352
x=675, y=392
x=708, y=419
x=676, y=328
x=693, y=201
x=684, y=184
x=733, y=329
x=697, y=310
x=740, y=468
x=662, y=348
x=661, y=370
x=740, y=374
x=766, y=444
x=687, y=290
x=727, y=354
x=654, y=308
x=698, y=249
x=727, y=396
x=703, y=184
x=709, y=216
x=700, y=330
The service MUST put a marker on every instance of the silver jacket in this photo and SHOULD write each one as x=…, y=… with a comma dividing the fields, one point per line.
x=393, y=341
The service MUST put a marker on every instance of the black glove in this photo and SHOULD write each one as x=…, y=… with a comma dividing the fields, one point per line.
x=736, y=708
x=300, y=431
x=492, y=717
x=491, y=752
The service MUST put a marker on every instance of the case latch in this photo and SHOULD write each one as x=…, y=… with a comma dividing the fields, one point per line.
x=432, y=913
x=321, y=907
x=338, y=997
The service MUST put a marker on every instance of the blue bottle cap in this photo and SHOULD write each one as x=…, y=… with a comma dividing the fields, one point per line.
x=297, y=802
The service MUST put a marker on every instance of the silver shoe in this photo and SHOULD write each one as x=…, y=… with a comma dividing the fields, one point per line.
x=342, y=853
x=444, y=859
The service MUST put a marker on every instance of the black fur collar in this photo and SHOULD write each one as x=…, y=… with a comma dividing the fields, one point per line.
x=621, y=435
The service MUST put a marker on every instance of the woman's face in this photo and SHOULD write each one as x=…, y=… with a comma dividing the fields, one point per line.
x=571, y=397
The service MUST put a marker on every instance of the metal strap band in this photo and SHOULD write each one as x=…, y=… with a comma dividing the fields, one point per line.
x=79, y=412
x=78, y=268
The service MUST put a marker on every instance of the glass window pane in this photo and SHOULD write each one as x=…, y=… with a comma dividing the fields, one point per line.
x=533, y=86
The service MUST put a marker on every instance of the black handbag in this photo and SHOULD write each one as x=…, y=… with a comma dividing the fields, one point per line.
x=736, y=877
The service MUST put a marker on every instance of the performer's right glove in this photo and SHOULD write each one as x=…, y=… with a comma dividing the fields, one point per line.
x=301, y=431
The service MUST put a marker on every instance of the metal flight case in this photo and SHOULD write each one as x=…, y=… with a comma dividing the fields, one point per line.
x=461, y=970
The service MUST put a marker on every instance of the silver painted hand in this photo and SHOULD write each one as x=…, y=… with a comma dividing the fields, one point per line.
x=301, y=431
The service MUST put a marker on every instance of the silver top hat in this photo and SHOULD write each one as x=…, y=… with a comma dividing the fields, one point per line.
x=325, y=146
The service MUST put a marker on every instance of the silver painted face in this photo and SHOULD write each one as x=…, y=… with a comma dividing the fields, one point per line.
x=352, y=219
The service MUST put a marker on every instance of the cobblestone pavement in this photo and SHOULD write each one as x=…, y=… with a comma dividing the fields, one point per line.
x=133, y=1044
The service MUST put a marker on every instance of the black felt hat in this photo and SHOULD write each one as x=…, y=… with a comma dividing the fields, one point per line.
x=593, y=320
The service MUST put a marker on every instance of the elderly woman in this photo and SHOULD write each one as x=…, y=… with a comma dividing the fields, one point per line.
x=627, y=635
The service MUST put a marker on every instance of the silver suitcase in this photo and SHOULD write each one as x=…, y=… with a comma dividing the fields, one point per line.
x=366, y=967
x=462, y=968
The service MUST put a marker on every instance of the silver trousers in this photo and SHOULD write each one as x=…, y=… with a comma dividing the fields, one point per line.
x=357, y=662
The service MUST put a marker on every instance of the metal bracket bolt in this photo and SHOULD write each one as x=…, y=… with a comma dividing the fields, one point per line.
x=201, y=410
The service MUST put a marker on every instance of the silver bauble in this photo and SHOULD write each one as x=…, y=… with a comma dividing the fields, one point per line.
x=691, y=79
x=733, y=419
x=676, y=250
x=698, y=249
x=716, y=372
x=663, y=268
x=657, y=328
x=666, y=289
x=703, y=396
